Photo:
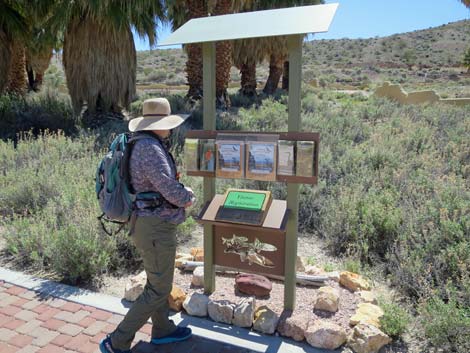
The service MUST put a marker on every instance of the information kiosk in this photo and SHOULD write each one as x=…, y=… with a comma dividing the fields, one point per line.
x=263, y=240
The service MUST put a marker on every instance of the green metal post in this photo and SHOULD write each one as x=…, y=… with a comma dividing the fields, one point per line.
x=295, y=77
x=208, y=86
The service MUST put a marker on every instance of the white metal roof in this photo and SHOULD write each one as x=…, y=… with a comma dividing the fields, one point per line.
x=292, y=20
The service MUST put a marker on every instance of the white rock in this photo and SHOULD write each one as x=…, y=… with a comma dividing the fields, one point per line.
x=324, y=334
x=265, y=320
x=244, y=313
x=334, y=275
x=367, y=338
x=327, y=299
x=221, y=311
x=367, y=296
x=196, y=304
x=198, y=277
x=135, y=286
x=180, y=261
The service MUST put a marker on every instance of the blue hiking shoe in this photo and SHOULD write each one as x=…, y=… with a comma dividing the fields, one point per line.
x=107, y=347
x=180, y=334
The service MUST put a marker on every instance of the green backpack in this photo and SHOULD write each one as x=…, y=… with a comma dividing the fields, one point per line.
x=112, y=183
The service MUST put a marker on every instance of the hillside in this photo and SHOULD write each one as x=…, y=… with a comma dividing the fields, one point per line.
x=425, y=57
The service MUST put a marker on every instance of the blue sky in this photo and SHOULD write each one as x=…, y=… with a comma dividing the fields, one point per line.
x=370, y=18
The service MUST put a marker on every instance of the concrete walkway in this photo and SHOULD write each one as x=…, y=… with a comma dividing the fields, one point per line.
x=44, y=316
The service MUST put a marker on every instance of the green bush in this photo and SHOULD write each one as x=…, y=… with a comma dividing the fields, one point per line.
x=36, y=113
x=446, y=325
x=395, y=320
x=54, y=225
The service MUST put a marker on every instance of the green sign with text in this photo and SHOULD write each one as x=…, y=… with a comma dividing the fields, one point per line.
x=245, y=200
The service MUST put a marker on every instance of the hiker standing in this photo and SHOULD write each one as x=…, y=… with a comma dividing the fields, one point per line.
x=152, y=170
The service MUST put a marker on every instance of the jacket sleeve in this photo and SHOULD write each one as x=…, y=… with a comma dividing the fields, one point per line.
x=158, y=172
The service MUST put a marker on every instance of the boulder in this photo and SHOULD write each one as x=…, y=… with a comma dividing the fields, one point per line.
x=176, y=298
x=324, y=334
x=327, y=299
x=252, y=284
x=367, y=296
x=135, y=286
x=313, y=270
x=265, y=320
x=292, y=325
x=196, y=304
x=333, y=276
x=244, y=313
x=353, y=281
x=221, y=311
x=180, y=261
x=367, y=338
x=197, y=254
x=367, y=313
x=299, y=265
x=198, y=277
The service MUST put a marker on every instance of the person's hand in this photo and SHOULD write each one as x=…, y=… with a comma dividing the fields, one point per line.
x=193, y=198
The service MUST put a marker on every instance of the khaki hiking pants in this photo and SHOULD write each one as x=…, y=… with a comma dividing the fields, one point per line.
x=156, y=241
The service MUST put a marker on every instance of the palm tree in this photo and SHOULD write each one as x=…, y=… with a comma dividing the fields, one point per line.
x=223, y=53
x=246, y=54
x=99, y=53
x=12, y=34
x=179, y=12
x=276, y=47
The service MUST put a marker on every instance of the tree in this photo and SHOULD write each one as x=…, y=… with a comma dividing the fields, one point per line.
x=246, y=54
x=276, y=47
x=180, y=12
x=12, y=33
x=99, y=53
x=466, y=3
x=466, y=60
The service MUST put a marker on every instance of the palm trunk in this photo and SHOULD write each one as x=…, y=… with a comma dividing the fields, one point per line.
x=100, y=66
x=197, y=9
x=36, y=64
x=285, y=76
x=16, y=82
x=223, y=52
x=248, y=79
x=275, y=71
x=5, y=59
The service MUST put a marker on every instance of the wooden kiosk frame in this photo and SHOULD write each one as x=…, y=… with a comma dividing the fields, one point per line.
x=291, y=22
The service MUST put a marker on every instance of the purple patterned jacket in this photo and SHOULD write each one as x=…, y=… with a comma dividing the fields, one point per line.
x=152, y=168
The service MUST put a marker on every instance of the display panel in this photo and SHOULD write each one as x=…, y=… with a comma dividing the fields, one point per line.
x=191, y=154
x=207, y=155
x=230, y=159
x=286, y=157
x=305, y=155
x=261, y=160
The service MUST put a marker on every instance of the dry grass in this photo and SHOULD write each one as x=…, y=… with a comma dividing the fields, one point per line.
x=100, y=63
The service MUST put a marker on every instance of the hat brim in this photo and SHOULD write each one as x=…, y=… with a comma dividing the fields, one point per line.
x=157, y=123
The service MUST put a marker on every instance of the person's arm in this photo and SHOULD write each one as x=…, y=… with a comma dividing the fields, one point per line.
x=157, y=171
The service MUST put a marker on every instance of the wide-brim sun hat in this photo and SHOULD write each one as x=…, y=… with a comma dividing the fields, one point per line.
x=156, y=115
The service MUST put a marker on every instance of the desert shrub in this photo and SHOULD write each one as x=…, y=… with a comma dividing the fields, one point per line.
x=395, y=320
x=37, y=112
x=55, y=228
x=446, y=324
x=157, y=75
